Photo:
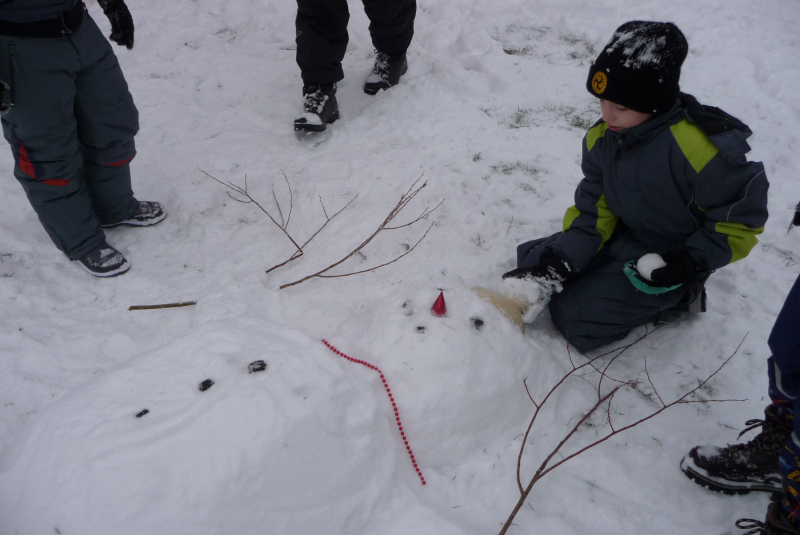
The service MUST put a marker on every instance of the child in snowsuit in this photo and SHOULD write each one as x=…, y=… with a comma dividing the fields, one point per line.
x=663, y=174
x=70, y=121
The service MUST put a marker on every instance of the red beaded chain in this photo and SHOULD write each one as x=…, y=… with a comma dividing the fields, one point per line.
x=394, y=405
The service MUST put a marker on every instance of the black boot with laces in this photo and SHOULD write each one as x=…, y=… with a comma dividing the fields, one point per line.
x=742, y=468
x=386, y=72
x=774, y=524
x=319, y=108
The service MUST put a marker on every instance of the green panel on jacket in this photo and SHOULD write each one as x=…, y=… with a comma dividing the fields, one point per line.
x=695, y=145
x=595, y=133
x=741, y=239
x=606, y=221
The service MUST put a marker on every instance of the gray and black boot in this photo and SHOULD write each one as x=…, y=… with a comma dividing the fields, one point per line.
x=775, y=523
x=742, y=468
x=386, y=72
x=147, y=213
x=104, y=261
x=319, y=108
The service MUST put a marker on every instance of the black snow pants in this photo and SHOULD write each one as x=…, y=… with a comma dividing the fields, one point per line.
x=322, y=34
x=602, y=305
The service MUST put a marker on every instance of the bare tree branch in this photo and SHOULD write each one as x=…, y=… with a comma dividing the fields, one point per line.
x=407, y=197
x=244, y=193
x=324, y=211
x=539, y=407
x=378, y=266
x=283, y=225
x=280, y=212
x=602, y=400
x=165, y=305
x=291, y=198
x=424, y=214
x=651, y=382
x=589, y=363
x=329, y=219
x=525, y=382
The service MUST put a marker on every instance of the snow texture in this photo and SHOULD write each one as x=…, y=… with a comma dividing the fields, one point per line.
x=492, y=111
x=640, y=50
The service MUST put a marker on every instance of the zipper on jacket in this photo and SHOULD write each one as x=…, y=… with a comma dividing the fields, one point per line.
x=12, y=53
x=620, y=145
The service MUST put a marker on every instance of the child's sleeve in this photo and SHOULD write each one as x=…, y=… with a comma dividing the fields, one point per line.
x=589, y=223
x=733, y=197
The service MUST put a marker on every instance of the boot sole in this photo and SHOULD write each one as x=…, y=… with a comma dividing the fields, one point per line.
x=306, y=127
x=107, y=275
x=133, y=223
x=731, y=489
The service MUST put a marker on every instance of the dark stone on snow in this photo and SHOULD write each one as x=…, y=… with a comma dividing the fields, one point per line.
x=477, y=323
x=256, y=366
x=420, y=329
x=142, y=413
x=205, y=385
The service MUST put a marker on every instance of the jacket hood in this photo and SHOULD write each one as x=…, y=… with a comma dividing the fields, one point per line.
x=725, y=131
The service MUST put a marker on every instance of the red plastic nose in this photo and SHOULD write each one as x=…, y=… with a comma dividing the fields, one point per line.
x=439, y=308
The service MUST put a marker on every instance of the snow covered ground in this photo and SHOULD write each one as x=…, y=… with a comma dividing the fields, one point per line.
x=491, y=114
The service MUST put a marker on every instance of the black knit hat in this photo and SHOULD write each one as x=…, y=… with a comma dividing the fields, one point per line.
x=640, y=67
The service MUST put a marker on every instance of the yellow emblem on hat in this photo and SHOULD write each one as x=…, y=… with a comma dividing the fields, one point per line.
x=599, y=82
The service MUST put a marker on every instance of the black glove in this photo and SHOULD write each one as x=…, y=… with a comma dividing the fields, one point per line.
x=551, y=266
x=121, y=21
x=680, y=268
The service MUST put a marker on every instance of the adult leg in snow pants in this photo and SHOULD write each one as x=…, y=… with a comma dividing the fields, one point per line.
x=784, y=389
x=322, y=34
x=71, y=131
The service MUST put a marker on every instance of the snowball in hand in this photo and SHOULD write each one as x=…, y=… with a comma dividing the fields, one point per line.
x=648, y=263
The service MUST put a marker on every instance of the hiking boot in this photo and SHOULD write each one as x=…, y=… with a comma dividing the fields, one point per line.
x=742, y=468
x=319, y=108
x=148, y=213
x=105, y=261
x=386, y=72
x=775, y=523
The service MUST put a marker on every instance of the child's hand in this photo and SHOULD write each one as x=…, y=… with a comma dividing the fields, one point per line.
x=680, y=268
x=551, y=266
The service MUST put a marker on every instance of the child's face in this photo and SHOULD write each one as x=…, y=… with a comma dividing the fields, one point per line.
x=619, y=118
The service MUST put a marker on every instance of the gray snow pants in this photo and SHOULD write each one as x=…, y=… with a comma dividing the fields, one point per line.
x=71, y=132
x=601, y=306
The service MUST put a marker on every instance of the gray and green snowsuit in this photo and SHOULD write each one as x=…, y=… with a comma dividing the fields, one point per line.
x=678, y=181
x=72, y=120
